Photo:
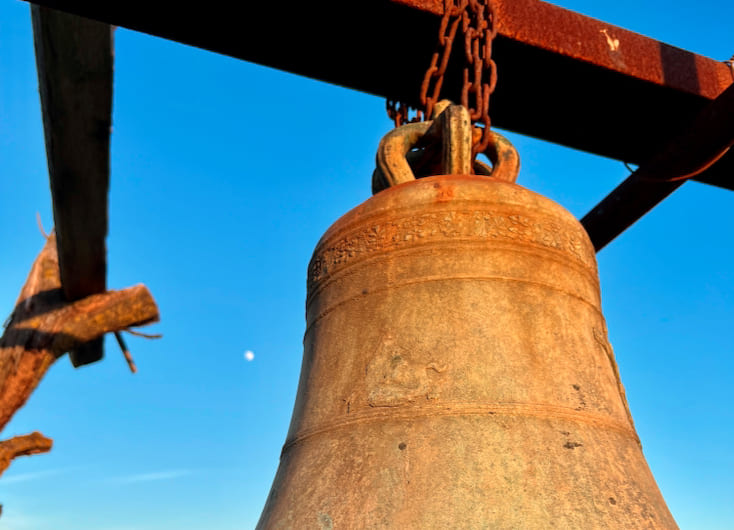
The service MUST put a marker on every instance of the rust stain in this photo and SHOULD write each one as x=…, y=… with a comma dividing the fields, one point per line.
x=571, y=34
x=444, y=193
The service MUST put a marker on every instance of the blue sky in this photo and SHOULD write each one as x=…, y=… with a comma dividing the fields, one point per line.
x=224, y=174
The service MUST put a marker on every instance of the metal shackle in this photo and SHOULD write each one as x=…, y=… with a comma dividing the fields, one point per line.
x=410, y=151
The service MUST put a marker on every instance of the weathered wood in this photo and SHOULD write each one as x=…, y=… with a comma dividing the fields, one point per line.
x=44, y=326
x=25, y=445
x=74, y=63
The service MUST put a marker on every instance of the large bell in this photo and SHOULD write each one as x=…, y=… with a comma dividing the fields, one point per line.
x=457, y=373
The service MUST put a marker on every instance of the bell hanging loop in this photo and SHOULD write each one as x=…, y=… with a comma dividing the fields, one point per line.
x=441, y=146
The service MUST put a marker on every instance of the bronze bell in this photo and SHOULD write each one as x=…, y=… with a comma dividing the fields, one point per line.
x=456, y=369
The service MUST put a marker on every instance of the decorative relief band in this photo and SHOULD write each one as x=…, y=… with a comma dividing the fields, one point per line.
x=422, y=228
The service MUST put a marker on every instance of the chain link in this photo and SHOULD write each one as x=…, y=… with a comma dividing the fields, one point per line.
x=480, y=74
x=398, y=112
x=433, y=79
x=477, y=19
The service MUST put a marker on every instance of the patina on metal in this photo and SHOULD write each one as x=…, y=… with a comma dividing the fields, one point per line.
x=457, y=372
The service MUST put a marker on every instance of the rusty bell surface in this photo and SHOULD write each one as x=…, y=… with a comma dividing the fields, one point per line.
x=457, y=373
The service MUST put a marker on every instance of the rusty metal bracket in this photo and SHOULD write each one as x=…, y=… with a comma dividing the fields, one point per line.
x=701, y=146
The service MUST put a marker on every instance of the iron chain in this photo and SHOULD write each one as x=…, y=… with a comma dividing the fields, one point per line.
x=480, y=75
x=477, y=19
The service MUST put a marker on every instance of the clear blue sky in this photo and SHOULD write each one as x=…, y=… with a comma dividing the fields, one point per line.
x=224, y=176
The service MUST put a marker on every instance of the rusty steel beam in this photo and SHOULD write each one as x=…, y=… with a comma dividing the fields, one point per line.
x=563, y=77
x=74, y=63
x=701, y=146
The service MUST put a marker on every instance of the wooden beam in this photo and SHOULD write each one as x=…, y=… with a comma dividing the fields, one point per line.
x=26, y=445
x=563, y=77
x=700, y=146
x=74, y=62
x=44, y=326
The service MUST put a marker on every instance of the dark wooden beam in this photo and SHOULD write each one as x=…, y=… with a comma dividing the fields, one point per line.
x=74, y=62
x=698, y=147
x=563, y=77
